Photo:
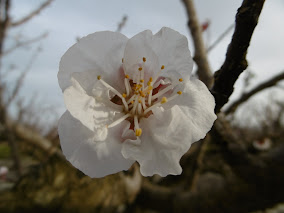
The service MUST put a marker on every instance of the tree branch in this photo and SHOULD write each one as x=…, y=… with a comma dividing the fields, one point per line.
x=4, y=21
x=31, y=137
x=271, y=82
x=122, y=23
x=31, y=15
x=24, y=43
x=235, y=62
x=204, y=73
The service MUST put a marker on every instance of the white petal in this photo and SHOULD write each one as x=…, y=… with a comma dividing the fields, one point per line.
x=91, y=112
x=170, y=131
x=197, y=104
x=99, y=53
x=163, y=142
x=136, y=48
x=94, y=158
x=172, y=50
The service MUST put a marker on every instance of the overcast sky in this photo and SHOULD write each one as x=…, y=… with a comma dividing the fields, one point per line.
x=67, y=19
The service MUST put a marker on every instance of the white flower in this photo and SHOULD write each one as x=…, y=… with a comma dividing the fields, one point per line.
x=131, y=100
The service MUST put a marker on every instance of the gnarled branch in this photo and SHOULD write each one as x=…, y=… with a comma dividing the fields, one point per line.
x=235, y=62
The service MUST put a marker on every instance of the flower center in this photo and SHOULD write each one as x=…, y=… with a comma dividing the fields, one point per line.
x=140, y=98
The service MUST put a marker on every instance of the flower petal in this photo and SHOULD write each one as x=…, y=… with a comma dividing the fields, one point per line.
x=94, y=158
x=90, y=111
x=163, y=142
x=172, y=50
x=170, y=131
x=137, y=48
x=99, y=53
x=197, y=104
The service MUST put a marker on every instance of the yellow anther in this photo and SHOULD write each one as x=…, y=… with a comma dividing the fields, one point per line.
x=99, y=77
x=148, y=92
x=140, y=101
x=122, y=60
x=124, y=95
x=180, y=79
x=179, y=92
x=140, y=68
x=132, y=102
x=149, y=83
x=126, y=76
x=142, y=94
x=150, y=88
x=164, y=100
x=150, y=79
x=162, y=67
x=144, y=59
x=141, y=80
x=138, y=132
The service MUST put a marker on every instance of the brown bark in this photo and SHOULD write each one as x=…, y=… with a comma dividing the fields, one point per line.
x=200, y=56
x=235, y=62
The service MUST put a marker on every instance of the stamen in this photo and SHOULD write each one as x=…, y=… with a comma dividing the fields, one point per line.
x=140, y=68
x=174, y=96
x=127, y=86
x=118, y=121
x=180, y=79
x=131, y=99
x=127, y=76
x=124, y=95
x=142, y=78
x=122, y=60
x=164, y=100
x=143, y=104
x=136, y=124
x=150, y=97
x=152, y=107
x=142, y=94
x=162, y=67
x=135, y=105
x=162, y=92
x=144, y=59
x=114, y=91
x=139, y=108
x=138, y=132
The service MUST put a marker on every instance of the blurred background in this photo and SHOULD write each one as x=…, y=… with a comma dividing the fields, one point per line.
x=35, y=34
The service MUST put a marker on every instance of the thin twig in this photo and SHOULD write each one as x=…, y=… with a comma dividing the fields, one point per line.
x=220, y=38
x=271, y=82
x=24, y=43
x=122, y=23
x=31, y=14
x=20, y=79
x=200, y=56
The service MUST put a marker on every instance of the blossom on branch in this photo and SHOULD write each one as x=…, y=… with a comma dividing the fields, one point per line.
x=131, y=100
